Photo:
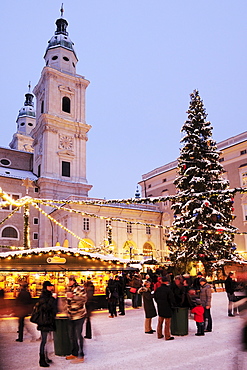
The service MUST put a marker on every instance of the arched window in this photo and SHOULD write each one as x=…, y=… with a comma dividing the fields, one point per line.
x=66, y=104
x=42, y=107
x=9, y=232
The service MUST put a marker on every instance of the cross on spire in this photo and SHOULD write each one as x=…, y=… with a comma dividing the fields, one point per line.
x=62, y=11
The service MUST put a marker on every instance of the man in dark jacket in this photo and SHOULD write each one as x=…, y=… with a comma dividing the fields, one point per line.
x=23, y=307
x=230, y=286
x=165, y=301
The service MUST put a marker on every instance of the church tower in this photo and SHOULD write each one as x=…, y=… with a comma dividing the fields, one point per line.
x=60, y=134
x=26, y=121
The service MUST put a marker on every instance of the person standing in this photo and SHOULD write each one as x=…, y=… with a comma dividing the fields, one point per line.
x=196, y=282
x=206, y=297
x=165, y=301
x=76, y=307
x=120, y=287
x=47, y=309
x=230, y=286
x=198, y=312
x=89, y=306
x=135, y=284
x=112, y=297
x=23, y=307
x=149, y=307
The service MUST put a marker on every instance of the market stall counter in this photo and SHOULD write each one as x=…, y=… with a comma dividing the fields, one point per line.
x=56, y=264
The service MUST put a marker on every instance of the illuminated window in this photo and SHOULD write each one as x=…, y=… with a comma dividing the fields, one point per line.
x=11, y=207
x=244, y=179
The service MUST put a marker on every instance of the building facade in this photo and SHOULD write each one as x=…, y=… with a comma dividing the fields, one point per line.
x=233, y=157
x=49, y=150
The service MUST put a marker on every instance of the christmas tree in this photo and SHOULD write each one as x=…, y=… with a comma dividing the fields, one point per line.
x=202, y=227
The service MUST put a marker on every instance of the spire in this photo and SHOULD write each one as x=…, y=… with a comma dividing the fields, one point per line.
x=62, y=11
x=29, y=97
x=137, y=193
x=60, y=38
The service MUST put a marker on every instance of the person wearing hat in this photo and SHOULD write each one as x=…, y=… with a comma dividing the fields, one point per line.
x=76, y=308
x=198, y=312
x=48, y=310
x=165, y=301
x=196, y=282
x=206, y=297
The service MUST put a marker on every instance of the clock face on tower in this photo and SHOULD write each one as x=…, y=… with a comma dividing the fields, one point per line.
x=65, y=142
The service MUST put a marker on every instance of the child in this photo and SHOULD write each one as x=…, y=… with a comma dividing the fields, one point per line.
x=198, y=312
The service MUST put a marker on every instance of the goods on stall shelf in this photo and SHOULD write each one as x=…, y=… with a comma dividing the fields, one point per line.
x=10, y=281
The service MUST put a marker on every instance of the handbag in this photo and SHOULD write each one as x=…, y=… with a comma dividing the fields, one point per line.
x=35, y=316
x=133, y=290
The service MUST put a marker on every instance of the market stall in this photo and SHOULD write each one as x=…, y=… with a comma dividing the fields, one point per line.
x=34, y=266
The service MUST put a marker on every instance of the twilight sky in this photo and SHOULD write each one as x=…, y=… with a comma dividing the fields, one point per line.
x=143, y=59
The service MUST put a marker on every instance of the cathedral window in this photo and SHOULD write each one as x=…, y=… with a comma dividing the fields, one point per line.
x=66, y=59
x=5, y=162
x=86, y=224
x=129, y=228
x=9, y=232
x=66, y=104
x=35, y=236
x=55, y=57
x=42, y=107
x=65, y=169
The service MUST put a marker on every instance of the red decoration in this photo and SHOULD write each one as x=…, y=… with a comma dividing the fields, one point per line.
x=220, y=231
x=201, y=255
x=184, y=166
x=199, y=227
x=183, y=238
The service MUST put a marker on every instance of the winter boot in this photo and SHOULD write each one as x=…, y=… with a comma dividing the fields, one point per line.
x=47, y=359
x=42, y=362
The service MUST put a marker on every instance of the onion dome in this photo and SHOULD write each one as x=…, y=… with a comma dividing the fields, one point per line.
x=60, y=38
x=28, y=108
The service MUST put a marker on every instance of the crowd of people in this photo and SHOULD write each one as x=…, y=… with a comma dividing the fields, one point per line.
x=160, y=287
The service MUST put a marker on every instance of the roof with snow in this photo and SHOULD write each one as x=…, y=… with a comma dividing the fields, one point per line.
x=60, y=259
x=17, y=174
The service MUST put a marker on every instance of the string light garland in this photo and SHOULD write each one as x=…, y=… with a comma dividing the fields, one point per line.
x=55, y=204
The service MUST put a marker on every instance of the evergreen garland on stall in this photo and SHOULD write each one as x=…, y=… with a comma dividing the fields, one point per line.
x=202, y=227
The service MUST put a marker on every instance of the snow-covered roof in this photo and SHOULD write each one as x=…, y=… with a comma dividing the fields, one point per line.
x=72, y=251
x=17, y=174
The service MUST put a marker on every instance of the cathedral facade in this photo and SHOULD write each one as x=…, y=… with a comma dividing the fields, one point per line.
x=47, y=161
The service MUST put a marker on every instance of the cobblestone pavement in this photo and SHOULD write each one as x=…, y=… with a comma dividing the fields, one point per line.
x=121, y=343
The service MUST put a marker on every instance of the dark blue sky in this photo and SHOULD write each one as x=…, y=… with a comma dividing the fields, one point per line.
x=143, y=59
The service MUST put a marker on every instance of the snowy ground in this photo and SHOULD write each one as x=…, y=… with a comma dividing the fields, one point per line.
x=121, y=343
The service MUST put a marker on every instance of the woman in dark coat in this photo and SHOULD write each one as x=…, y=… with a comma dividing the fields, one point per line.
x=47, y=309
x=149, y=307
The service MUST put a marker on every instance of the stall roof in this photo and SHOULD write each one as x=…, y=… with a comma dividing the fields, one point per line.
x=60, y=259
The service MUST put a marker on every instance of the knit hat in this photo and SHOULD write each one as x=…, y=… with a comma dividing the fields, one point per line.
x=198, y=301
x=165, y=279
x=203, y=279
x=46, y=284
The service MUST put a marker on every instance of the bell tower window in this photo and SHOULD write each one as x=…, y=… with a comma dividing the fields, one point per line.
x=66, y=104
x=65, y=169
x=42, y=107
